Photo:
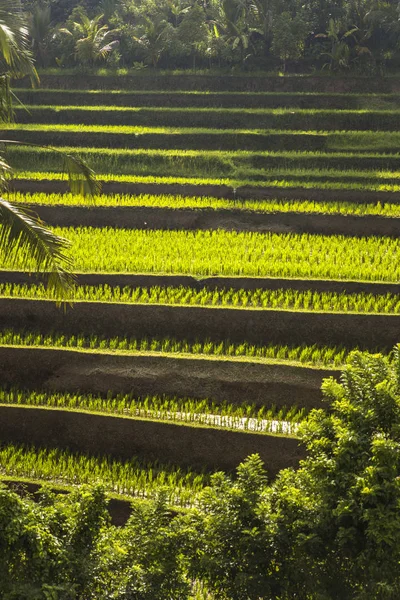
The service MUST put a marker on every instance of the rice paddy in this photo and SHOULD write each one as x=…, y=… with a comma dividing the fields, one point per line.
x=135, y=478
x=244, y=417
x=248, y=152
x=230, y=253
x=199, y=203
x=281, y=299
x=308, y=355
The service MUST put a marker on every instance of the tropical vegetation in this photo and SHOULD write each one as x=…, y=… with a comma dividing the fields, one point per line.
x=327, y=530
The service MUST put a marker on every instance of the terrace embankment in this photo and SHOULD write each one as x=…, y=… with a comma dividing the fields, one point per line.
x=219, y=119
x=140, y=375
x=122, y=438
x=232, y=220
x=254, y=326
x=206, y=99
x=235, y=283
x=246, y=192
x=227, y=83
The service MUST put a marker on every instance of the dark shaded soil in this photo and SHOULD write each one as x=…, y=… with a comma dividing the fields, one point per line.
x=141, y=375
x=231, y=220
x=226, y=83
x=193, y=324
x=198, y=447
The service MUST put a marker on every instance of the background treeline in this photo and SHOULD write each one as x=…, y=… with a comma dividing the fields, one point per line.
x=286, y=35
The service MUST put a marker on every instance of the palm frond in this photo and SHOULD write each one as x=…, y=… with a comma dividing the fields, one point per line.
x=81, y=178
x=25, y=241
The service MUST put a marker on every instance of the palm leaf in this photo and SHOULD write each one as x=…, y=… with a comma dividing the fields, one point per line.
x=81, y=178
x=25, y=241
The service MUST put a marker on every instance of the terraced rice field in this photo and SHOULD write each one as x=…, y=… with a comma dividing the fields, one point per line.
x=243, y=244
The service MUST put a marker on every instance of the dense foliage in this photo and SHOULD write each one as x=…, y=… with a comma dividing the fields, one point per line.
x=328, y=531
x=251, y=34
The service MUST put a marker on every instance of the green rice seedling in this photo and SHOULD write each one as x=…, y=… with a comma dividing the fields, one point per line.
x=315, y=355
x=235, y=165
x=219, y=118
x=183, y=410
x=250, y=139
x=135, y=478
x=205, y=253
x=199, y=203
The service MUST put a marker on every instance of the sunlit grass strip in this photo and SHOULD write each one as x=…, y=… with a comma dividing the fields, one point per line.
x=118, y=178
x=379, y=185
x=143, y=130
x=199, y=203
x=218, y=110
x=219, y=168
x=313, y=355
x=136, y=478
x=133, y=93
x=336, y=140
x=244, y=416
x=291, y=155
x=246, y=299
x=219, y=252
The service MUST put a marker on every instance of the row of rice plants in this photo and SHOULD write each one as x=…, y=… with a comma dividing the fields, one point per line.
x=311, y=355
x=235, y=167
x=216, y=118
x=246, y=417
x=206, y=139
x=281, y=299
x=206, y=99
x=232, y=186
x=134, y=478
x=230, y=253
x=199, y=203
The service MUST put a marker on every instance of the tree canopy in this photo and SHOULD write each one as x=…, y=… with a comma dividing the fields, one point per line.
x=360, y=35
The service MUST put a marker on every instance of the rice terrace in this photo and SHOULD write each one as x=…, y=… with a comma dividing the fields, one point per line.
x=246, y=240
x=244, y=243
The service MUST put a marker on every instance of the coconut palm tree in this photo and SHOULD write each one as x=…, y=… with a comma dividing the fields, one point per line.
x=93, y=41
x=22, y=234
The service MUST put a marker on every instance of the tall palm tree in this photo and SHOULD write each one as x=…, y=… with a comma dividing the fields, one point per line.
x=22, y=234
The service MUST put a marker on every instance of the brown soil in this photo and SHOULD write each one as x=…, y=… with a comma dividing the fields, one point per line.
x=141, y=375
x=231, y=220
x=260, y=327
x=198, y=447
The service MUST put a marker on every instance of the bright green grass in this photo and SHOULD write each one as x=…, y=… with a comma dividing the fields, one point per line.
x=235, y=155
x=250, y=299
x=335, y=140
x=219, y=252
x=142, y=130
x=134, y=478
x=314, y=355
x=217, y=110
x=380, y=184
x=107, y=177
x=242, y=416
x=198, y=203
x=290, y=169
x=121, y=92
